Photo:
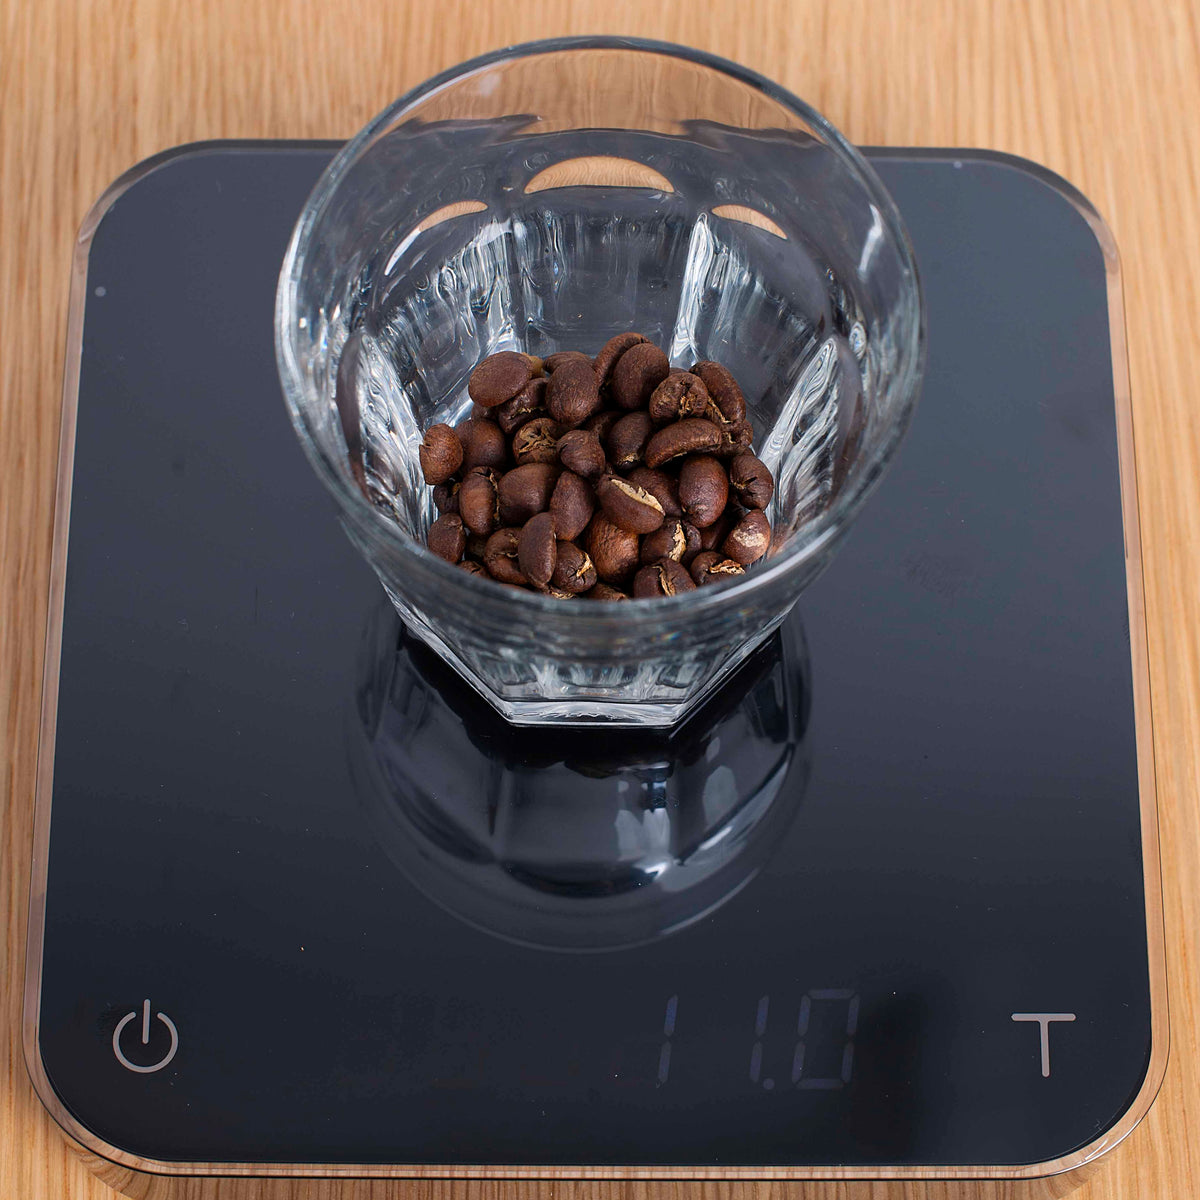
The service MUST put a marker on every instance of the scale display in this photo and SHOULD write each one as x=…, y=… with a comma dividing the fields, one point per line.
x=879, y=902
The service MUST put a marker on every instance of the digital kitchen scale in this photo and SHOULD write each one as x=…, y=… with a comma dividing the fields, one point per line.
x=303, y=904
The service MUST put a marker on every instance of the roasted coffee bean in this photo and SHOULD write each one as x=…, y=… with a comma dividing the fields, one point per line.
x=472, y=568
x=627, y=440
x=447, y=538
x=711, y=567
x=500, y=556
x=601, y=423
x=603, y=591
x=628, y=505
x=572, y=394
x=751, y=482
x=723, y=388
x=679, y=395
x=606, y=359
x=500, y=377
x=674, y=539
x=737, y=437
x=537, y=549
x=440, y=453
x=692, y=435
x=749, y=539
x=716, y=533
x=554, y=361
x=613, y=550
x=703, y=489
x=445, y=496
x=693, y=544
x=621, y=462
x=663, y=487
x=528, y=403
x=484, y=444
x=477, y=500
x=663, y=578
x=637, y=373
x=572, y=502
x=574, y=572
x=525, y=491
x=536, y=441
x=580, y=451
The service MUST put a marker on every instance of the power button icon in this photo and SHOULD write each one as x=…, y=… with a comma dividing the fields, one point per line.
x=126, y=1020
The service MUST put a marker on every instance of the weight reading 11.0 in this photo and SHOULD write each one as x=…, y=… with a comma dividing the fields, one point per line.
x=799, y=1070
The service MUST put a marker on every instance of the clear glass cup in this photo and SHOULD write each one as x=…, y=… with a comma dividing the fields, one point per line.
x=546, y=197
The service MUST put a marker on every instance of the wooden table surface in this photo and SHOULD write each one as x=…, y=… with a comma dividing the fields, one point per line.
x=1106, y=92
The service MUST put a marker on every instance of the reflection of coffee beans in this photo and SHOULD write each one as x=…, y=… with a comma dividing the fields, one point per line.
x=589, y=476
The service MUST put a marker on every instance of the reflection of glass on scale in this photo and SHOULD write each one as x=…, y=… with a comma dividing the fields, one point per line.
x=578, y=839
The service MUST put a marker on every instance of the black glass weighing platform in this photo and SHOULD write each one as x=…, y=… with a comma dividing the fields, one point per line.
x=906, y=917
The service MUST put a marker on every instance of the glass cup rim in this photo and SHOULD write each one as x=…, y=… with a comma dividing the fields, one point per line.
x=498, y=603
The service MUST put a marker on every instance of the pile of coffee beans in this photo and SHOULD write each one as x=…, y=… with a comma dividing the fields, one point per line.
x=605, y=477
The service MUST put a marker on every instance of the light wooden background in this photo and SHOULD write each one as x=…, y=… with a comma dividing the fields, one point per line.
x=1107, y=92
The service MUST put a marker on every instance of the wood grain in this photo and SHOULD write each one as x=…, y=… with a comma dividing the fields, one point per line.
x=1106, y=92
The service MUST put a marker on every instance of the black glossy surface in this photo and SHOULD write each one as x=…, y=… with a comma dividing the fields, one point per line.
x=966, y=844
